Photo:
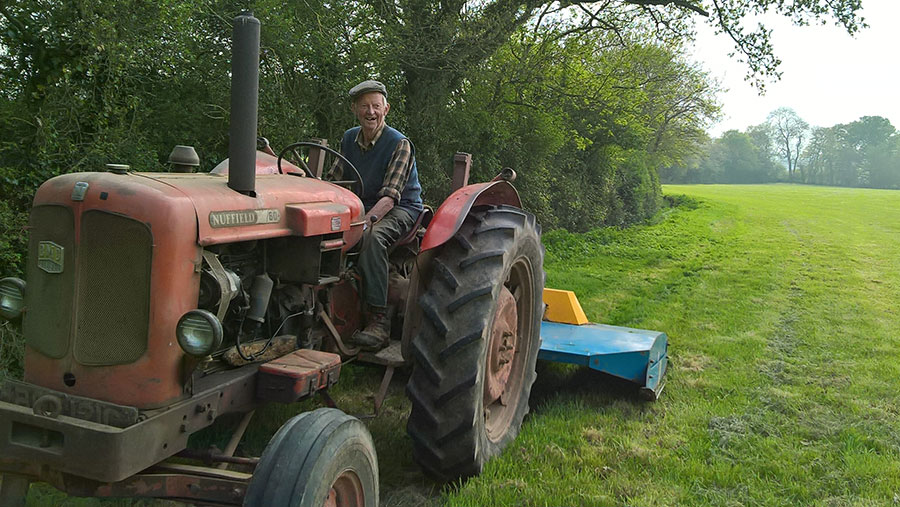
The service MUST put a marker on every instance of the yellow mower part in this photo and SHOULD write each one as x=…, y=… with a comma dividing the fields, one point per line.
x=563, y=307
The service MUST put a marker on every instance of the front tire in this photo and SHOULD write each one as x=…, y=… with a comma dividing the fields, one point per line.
x=475, y=352
x=323, y=457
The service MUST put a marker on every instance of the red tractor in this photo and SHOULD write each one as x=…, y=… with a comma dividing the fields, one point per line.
x=158, y=302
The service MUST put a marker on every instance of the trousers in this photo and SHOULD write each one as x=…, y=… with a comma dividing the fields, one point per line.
x=373, y=256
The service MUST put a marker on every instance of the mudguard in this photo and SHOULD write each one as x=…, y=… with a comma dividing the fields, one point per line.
x=453, y=211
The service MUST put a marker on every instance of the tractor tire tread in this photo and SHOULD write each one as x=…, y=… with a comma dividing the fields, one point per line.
x=430, y=311
x=445, y=274
x=453, y=347
x=457, y=304
x=493, y=254
x=427, y=366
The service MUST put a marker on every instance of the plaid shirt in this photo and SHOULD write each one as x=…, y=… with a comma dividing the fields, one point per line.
x=397, y=171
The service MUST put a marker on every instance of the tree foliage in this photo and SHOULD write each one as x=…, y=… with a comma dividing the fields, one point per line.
x=863, y=153
x=585, y=99
x=789, y=133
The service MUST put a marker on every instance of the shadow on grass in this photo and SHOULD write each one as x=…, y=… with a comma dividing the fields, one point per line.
x=597, y=389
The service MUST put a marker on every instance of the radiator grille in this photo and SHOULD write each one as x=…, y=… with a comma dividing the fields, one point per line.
x=113, y=289
x=48, y=318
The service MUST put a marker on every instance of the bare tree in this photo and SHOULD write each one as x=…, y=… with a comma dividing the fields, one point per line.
x=790, y=132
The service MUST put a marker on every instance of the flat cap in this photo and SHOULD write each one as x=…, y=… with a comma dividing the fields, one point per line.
x=367, y=86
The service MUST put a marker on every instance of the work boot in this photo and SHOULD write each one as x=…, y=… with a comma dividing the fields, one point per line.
x=377, y=333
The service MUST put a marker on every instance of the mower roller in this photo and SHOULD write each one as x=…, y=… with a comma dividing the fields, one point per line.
x=636, y=355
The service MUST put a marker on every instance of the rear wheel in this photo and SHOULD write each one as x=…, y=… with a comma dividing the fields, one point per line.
x=319, y=458
x=475, y=353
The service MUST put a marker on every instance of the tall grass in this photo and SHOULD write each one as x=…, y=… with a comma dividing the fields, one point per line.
x=12, y=350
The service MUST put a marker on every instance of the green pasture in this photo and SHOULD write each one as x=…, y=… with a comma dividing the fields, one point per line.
x=781, y=305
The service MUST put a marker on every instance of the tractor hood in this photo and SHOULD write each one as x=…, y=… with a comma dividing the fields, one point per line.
x=284, y=205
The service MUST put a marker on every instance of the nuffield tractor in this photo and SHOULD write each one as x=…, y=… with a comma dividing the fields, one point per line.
x=158, y=302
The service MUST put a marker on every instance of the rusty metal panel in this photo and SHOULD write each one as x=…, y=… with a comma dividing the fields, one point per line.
x=156, y=378
x=48, y=319
x=54, y=402
x=106, y=453
x=210, y=195
x=316, y=218
x=113, y=305
x=179, y=481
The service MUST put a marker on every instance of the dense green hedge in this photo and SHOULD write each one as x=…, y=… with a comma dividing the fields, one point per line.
x=89, y=83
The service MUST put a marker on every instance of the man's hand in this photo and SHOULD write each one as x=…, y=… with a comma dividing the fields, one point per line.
x=379, y=210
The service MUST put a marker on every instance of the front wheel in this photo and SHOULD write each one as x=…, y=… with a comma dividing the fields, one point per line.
x=475, y=353
x=319, y=458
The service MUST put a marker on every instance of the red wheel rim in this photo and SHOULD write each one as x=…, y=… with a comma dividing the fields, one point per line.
x=502, y=349
x=346, y=491
x=507, y=350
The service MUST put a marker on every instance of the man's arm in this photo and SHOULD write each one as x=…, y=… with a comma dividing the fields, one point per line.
x=395, y=178
x=380, y=209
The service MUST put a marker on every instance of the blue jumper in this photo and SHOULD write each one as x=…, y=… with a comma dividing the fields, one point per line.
x=372, y=165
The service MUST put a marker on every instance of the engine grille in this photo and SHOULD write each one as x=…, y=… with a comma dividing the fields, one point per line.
x=48, y=321
x=113, y=301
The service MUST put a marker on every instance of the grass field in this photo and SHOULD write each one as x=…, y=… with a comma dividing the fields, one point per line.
x=781, y=304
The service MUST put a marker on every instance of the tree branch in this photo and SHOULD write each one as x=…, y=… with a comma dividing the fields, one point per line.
x=678, y=3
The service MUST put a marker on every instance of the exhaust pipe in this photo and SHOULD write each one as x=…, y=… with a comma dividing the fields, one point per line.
x=244, y=104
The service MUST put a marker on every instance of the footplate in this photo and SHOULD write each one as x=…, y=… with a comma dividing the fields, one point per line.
x=297, y=375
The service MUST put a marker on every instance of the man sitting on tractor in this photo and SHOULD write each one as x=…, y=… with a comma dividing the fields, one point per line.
x=386, y=161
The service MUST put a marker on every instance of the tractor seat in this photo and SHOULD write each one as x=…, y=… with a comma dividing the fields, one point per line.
x=423, y=221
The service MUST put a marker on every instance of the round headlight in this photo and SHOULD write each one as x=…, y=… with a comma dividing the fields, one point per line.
x=12, y=298
x=199, y=333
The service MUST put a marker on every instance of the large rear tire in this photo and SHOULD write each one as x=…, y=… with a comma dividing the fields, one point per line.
x=475, y=352
x=323, y=457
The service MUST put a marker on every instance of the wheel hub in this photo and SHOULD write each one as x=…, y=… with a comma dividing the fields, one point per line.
x=347, y=491
x=504, y=341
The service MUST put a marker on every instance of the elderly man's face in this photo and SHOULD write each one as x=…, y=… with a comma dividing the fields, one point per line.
x=370, y=109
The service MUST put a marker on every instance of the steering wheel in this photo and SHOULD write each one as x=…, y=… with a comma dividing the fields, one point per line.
x=293, y=149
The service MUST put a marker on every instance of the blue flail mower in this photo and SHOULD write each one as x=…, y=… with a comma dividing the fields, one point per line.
x=635, y=355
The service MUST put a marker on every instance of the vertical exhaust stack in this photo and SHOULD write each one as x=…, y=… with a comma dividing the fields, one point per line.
x=244, y=104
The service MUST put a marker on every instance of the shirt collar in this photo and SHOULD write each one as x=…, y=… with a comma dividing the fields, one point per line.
x=367, y=147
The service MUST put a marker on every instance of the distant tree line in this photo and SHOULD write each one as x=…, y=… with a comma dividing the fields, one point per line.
x=862, y=153
x=586, y=100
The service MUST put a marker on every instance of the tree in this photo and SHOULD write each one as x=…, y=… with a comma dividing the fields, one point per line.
x=870, y=139
x=91, y=82
x=817, y=157
x=586, y=129
x=761, y=137
x=789, y=132
x=741, y=158
x=438, y=43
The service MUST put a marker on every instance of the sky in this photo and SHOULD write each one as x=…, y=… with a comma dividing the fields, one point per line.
x=828, y=77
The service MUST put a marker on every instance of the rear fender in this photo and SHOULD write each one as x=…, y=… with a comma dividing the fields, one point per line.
x=453, y=211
